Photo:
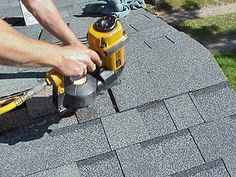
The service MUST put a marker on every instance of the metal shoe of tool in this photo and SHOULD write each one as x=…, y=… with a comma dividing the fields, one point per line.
x=107, y=38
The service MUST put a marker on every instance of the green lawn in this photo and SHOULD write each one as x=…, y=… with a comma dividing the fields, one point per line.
x=211, y=28
x=227, y=62
x=190, y=4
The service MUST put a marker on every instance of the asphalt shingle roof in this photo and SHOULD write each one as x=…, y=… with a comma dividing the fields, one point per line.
x=173, y=114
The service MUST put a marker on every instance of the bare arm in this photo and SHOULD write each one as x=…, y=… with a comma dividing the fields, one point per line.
x=46, y=12
x=16, y=49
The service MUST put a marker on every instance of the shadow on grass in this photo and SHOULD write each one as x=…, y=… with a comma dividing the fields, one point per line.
x=188, y=10
x=210, y=36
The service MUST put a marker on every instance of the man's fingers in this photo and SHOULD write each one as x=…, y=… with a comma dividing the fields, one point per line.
x=95, y=57
x=91, y=66
x=84, y=70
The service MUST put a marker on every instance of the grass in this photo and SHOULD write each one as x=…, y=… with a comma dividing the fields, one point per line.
x=190, y=4
x=227, y=62
x=211, y=28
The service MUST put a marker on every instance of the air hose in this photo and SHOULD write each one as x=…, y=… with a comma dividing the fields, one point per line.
x=19, y=100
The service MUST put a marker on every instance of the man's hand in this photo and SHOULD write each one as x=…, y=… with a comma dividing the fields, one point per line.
x=22, y=51
x=77, y=61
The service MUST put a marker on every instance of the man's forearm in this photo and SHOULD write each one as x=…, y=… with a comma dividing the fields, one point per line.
x=15, y=49
x=49, y=17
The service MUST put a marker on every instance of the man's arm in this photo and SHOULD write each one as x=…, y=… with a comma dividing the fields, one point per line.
x=46, y=12
x=16, y=49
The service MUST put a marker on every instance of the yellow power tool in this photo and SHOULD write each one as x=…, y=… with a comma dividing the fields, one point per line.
x=107, y=38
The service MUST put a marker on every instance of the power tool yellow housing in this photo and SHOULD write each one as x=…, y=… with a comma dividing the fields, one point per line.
x=107, y=38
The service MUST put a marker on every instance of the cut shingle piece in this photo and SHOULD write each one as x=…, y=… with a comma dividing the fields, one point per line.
x=124, y=129
x=101, y=107
x=216, y=140
x=160, y=68
x=161, y=156
x=216, y=101
x=183, y=111
x=211, y=169
x=63, y=146
x=105, y=165
x=63, y=171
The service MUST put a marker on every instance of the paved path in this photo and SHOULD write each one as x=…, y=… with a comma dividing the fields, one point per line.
x=222, y=44
x=217, y=10
x=174, y=16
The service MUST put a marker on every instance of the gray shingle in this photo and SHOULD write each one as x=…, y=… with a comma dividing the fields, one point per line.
x=156, y=119
x=10, y=70
x=64, y=122
x=32, y=31
x=217, y=140
x=17, y=79
x=160, y=156
x=4, y=5
x=140, y=22
x=63, y=171
x=10, y=86
x=62, y=146
x=81, y=25
x=13, y=12
x=14, y=120
x=160, y=69
x=102, y=106
x=215, y=101
x=211, y=169
x=105, y=165
x=124, y=129
x=41, y=105
x=14, y=3
x=63, y=3
x=48, y=37
x=183, y=111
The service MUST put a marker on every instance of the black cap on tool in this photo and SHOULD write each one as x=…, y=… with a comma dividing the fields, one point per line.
x=105, y=24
